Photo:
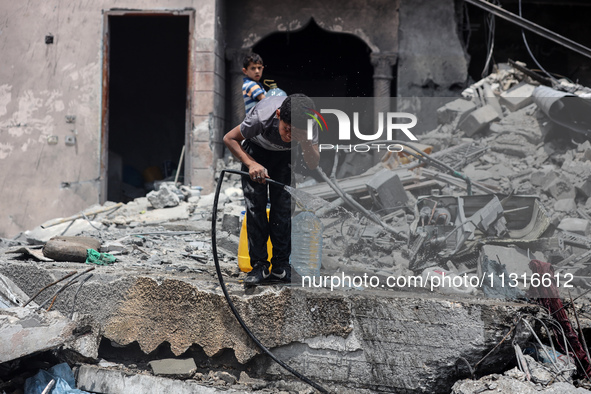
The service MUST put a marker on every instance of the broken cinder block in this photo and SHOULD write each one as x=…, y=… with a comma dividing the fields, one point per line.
x=479, y=120
x=561, y=189
x=457, y=109
x=518, y=97
x=182, y=368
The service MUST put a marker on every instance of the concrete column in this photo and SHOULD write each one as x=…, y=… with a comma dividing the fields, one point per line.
x=235, y=58
x=382, y=79
x=382, y=73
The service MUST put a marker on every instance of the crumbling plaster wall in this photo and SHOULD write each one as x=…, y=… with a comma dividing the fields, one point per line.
x=41, y=84
x=373, y=21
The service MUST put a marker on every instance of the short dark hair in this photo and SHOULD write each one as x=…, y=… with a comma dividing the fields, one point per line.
x=302, y=104
x=252, y=58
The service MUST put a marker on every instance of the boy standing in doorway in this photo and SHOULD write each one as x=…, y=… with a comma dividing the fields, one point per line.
x=263, y=143
x=252, y=90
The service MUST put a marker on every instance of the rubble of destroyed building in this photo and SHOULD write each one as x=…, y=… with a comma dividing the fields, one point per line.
x=501, y=187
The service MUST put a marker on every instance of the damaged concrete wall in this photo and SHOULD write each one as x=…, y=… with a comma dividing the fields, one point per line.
x=375, y=21
x=431, y=59
x=53, y=92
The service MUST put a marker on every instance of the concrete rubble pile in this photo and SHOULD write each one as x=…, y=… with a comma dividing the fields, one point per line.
x=523, y=193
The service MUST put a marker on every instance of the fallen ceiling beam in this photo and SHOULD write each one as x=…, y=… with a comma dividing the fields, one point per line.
x=526, y=24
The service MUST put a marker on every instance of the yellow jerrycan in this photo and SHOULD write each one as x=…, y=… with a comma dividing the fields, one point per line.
x=243, y=256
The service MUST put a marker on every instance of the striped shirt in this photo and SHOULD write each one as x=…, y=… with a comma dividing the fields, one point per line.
x=250, y=91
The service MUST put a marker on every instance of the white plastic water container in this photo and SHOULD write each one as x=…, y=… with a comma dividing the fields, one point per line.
x=276, y=92
x=273, y=89
x=306, y=244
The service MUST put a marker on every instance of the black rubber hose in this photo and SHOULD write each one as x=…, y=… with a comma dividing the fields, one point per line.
x=223, y=285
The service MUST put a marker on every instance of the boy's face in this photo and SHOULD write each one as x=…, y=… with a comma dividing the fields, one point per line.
x=285, y=131
x=254, y=71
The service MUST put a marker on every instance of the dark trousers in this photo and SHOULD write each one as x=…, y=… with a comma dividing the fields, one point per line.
x=278, y=227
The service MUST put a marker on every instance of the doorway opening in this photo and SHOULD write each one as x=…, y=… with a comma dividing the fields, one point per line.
x=317, y=62
x=145, y=124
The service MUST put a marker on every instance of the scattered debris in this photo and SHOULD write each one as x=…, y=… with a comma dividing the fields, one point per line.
x=502, y=182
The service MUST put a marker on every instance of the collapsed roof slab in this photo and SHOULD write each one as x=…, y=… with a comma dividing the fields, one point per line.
x=377, y=340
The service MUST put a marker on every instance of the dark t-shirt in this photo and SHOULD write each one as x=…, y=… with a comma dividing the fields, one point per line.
x=261, y=125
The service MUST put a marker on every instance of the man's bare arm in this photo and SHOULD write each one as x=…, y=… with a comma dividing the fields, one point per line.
x=311, y=154
x=232, y=140
x=309, y=149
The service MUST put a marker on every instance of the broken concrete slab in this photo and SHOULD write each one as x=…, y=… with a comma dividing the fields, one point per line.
x=547, y=178
x=157, y=216
x=512, y=145
x=575, y=225
x=518, y=97
x=33, y=251
x=108, y=381
x=455, y=111
x=567, y=205
x=113, y=247
x=476, y=174
x=85, y=347
x=10, y=294
x=492, y=99
x=25, y=331
x=479, y=120
x=173, y=367
x=520, y=123
x=40, y=235
x=183, y=311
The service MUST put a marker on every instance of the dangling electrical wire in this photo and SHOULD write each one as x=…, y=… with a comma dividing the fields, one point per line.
x=531, y=54
x=490, y=41
x=466, y=30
